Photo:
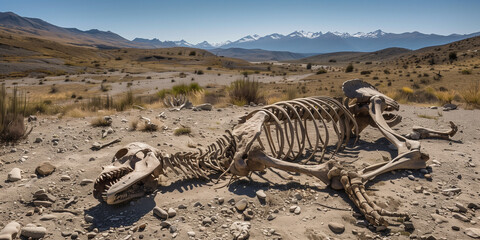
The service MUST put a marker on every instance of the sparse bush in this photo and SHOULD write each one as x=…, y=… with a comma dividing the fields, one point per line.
x=349, y=68
x=182, y=131
x=291, y=93
x=53, y=89
x=466, y=71
x=452, y=56
x=133, y=125
x=309, y=66
x=12, y=114
x=200, y=72
x=321, y=71
x=105, y=87
x=407, y=90
x=332, y=60
x=386, y=71
x=365, y=72
x=192, y=53
x=244, y=91
x=101, y=122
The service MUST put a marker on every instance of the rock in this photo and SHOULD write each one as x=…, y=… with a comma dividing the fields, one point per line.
x=240, y=230
x=427, y=176
x=34, y=232
x=191, y=233
x=165, y=224
x=337, y=228
x=41, y=195
x=181, y=206
x=74, y=235
x=91, y=235
x=408, y=225
x=248, y=214
x=460, y=207
x=207, y=221
x=449, y=106
x=438, y=219
x=86, y=181
x=38, y=140
x=14, y=175
x=221, y=200
x=241, y=205
x=45, y=169
x=461, y=217
x=473, y=206
x=197, y=204
x=48, y=217
x=411, y=177
x=455, y=228
x=10, y=231
x=261, y=195
x=171, y=213
x=203, y=107
x=160, y=213
x=473, y=232
x=88, y=218
x=65, y=178
x=39, y=203
x=295, y=209
x=270, y=217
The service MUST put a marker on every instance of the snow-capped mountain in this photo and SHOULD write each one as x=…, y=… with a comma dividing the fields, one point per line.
x=318, y=42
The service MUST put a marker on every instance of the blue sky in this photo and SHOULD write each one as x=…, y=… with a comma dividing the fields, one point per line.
x=217, y=21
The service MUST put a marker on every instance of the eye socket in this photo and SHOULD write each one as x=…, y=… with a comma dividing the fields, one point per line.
x=122, y=152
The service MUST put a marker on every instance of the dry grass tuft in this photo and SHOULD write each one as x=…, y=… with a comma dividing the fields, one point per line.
x=145, y=126
x=471, y=95
x=12, y=114
x=245, y=91
x=445, y=96
x=133, y=125
x=182, y=131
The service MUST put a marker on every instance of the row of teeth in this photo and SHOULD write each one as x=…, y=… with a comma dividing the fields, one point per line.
x=113, y=174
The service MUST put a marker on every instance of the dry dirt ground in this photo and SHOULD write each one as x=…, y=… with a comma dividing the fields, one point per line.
x=66, y=144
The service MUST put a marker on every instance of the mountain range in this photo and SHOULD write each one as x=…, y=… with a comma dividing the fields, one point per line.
x=287, y=46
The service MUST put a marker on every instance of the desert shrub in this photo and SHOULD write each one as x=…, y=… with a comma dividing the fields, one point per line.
x=126, y=102
x=386, y=71
x=471, y=95
x=54, y=89
x=133, y=125
x=368, y=63
x=291, y=93
x=182, y=131
x=145, y=126
x=244, y=91
x=321, y=71
x=466, y=71
x=199, y=72
x=365, y=72
x=452, y=56
x=407, y=90
x=375, y=78
x=105, y=87
x=101, y=122
x=192, y=53
x=332, y=60
x=185, y=89
x=349, y=68
x=12, y=114
x=309, y=66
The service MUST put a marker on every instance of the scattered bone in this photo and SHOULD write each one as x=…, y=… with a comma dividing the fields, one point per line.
x=10, y=231
x=31, y=231
x=97, y=146
x=473, y=232
x=240, y=230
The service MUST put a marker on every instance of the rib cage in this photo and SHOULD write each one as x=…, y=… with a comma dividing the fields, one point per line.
x=290, y=121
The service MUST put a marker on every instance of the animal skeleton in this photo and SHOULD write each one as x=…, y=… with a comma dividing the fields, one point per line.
x=276, y=136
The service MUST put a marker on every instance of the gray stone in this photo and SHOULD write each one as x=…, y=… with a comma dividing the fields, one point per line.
x=473, y=232
x=460, y=207
x=207, y=221
x=10, y=231
x=241, y=205
x=411, y=177
x=14, y=175
x=261, y=194
x=160, y=213
x=86, y=181
x=65, y=178
x=171, y=213
x=461, y=217
x=34, y=232
x=337, y=228
x=438, y=219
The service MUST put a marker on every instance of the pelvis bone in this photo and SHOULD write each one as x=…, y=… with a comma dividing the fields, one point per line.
x=283, y=135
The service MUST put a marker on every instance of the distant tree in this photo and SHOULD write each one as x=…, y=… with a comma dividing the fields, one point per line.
x=309, y=66
x=452, y=56
x=349, y=68
x=192, y=53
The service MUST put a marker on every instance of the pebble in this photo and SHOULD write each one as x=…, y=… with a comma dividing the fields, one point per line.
x=33, y=232
x=14, y=175
x=460, y=207
x=411, y=177
x=455, y=228
x=165, y=224
x=438, y=219
x=160, y=213
x=207, y=221
x=45, y=169
x=295, y=209
x=86, y=181
x=65, y=178
x=191, y=233
x=48, y=217
x=473, y=232
x=336, y=227
x=461, y=217
x=261, y=194
x=171, y=213
x=241, y=205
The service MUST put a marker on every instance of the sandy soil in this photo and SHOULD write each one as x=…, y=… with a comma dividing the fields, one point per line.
x=457, y=167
